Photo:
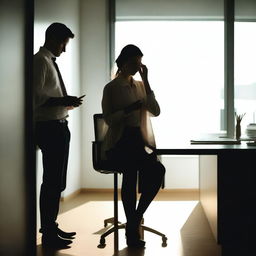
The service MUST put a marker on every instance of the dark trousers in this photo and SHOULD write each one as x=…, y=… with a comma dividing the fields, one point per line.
x=130, y=157
x=52, y=138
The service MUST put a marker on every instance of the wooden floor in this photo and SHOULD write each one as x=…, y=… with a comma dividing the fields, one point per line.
x=178, y=215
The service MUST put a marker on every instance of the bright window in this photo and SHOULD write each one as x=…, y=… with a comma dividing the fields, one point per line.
x=186, y=71
x=245, y=71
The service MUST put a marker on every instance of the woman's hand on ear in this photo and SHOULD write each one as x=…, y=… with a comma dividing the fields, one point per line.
x=144, y=76
x=143, y=72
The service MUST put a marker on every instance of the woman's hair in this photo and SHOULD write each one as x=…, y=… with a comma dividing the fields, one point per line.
x=127, y=52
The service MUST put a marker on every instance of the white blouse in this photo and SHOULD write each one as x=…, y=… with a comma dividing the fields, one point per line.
x=117, y=95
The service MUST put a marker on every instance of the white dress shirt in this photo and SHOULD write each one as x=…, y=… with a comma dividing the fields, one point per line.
x=117, y=95
x=46, y=85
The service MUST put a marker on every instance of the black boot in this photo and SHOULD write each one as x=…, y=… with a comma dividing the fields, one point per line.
x=66, y=235
x=53, y=241
x=133, y=234
x=62, y=234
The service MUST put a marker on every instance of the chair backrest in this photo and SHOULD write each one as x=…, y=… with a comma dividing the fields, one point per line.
x=100, y=127
x=100, y=130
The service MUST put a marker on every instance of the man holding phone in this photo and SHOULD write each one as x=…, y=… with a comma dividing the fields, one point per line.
x=52, y=133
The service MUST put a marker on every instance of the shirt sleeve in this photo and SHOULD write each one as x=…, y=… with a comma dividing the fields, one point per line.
x=111, y=117
x=150, y=103
x=39, y=77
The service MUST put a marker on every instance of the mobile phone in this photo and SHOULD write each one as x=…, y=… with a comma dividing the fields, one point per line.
x=81, y=96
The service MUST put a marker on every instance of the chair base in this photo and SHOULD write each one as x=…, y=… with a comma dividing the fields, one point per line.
x=146, y=228
x=102, y=243
x=110, y=221
x=143, y=228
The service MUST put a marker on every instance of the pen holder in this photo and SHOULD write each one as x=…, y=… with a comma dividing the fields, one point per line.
x=238, y=125
x=238, y=130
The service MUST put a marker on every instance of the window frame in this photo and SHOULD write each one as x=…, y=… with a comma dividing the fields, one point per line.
x=229, y=20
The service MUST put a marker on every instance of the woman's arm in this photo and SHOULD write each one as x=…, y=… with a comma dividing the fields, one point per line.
x=111, y=115
x=144, y=76
x=150, y=102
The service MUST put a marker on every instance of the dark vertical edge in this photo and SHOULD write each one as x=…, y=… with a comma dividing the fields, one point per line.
x=219, y=199
x=112, y=20
x=116, y=238
x=229, y=12
x=30, y=166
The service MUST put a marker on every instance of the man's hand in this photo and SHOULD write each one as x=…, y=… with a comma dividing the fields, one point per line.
x=72, y=101
x=67, y=101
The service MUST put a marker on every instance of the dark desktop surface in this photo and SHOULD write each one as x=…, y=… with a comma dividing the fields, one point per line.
x=204, y=146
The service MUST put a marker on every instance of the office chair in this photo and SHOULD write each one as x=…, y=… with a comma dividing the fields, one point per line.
x=104, y=166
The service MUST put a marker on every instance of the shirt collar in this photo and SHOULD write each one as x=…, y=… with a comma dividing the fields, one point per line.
x=46, y=52
x=124, y=82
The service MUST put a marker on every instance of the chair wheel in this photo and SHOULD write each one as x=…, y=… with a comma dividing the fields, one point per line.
x=101, y=246
x=102, y=243
x=164, y=241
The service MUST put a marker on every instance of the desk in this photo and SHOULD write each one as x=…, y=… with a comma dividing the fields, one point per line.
x=227, y=189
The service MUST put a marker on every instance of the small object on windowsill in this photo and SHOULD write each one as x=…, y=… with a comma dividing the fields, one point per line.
x=238, y=125
x=251, y=131
x=251, y=143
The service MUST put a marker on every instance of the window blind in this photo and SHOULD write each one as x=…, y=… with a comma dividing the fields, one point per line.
x=245, y=10
x=169, y=10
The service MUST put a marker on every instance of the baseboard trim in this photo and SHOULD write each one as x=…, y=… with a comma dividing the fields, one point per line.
x=169, y=190
x=98, y=190
x=179, y=190
x=72, y=195
x=110, y=190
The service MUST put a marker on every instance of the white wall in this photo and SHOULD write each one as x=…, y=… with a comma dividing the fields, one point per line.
x=13, y=200
x=182, y=172
x=94, y=75
x=67, y=12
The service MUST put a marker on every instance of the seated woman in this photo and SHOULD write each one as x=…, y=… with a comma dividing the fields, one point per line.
x=129, y=143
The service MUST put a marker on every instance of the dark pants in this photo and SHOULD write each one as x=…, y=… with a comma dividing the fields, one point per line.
x=130, y=158
x=53, y=138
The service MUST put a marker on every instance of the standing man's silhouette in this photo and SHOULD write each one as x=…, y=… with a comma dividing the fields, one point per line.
x=52, y=134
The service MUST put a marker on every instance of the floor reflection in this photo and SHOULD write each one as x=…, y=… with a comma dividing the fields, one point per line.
x=131, y=252
x=196, y=231
x=50, y=252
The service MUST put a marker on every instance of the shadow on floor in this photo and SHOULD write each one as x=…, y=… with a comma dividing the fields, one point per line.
x=83, y=198
x=130, y=252
x=86, y=197
x=49, y=252
x=124, y=252
x=196, y=231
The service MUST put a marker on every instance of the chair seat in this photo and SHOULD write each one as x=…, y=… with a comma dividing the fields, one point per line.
x=101, y=165
x=104, y=166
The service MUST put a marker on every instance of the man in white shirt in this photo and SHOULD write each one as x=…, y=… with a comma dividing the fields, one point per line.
x=52, y=133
